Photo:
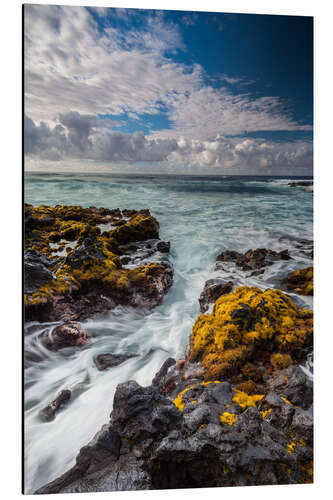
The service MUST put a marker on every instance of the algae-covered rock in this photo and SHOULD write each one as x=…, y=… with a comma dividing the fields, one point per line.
x=249, y=325
x=74, y=264
x=301, y=281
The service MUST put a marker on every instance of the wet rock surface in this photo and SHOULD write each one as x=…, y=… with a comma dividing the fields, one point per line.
x=68, y=334
x=81, y=262
x=36, y=272
x=48, y=413
x=108, y=360
x=213, y=289
x=301, y=183
x=253, y=260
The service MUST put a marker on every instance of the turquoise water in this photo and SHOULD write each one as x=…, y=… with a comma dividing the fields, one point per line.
x=201, y=217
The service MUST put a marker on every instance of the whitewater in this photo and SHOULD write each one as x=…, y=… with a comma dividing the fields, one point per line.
x=201, y=217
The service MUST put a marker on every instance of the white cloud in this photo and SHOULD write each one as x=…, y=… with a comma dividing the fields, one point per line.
x=249, y=155
x=84, y=137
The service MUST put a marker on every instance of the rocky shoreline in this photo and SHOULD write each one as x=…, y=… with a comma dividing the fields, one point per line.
x=79, y=262
x=236, y=411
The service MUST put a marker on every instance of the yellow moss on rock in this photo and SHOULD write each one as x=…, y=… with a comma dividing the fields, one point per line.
x=247, y=319
x=280, y=361
x=228, y=418
x=244, y=400
x=94, y=257
x=301, y=281
x=265, y=413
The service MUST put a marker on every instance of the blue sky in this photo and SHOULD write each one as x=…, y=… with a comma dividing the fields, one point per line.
x=202, y=92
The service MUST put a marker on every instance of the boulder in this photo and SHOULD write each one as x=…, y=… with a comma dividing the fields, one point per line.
x=36, y=271
x=108, y=360
x=163, y=246
x=249, y=325
x=49, y=412
x=68, y=334
x=213, y=289
x=301, y=281
x=253, y=260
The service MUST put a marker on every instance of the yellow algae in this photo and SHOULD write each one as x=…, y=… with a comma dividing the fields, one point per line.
x=301, y=281
x=290, y=447
x=178, y=401
x=228, y=418
x=264, y=413
x=280, y=361
x=244, y=400
x=247, y=319
x=225, y=469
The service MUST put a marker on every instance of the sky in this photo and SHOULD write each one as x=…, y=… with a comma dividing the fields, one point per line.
x=130, y=90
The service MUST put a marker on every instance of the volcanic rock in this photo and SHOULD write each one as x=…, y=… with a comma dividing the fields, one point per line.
x=213, y=289
x=49, y=412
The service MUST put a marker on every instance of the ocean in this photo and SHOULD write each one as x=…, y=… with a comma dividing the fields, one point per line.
x=201, y=216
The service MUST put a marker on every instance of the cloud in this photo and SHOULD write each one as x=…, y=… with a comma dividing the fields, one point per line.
x=207, y=112
x=248, y=155
x=84, y=137
x=72, y=66
x=81, y=137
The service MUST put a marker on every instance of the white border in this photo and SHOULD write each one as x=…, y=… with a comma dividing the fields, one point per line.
x=11, y=243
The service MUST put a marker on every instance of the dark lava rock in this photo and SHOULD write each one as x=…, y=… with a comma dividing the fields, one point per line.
x=91, y=278
x=87, y=249
x=49, y=412
x=163, y=246
x=300, y=183
x=68, y=334
x=213, y=289
x=202, y=439
x=159, y=376
x=36, y=272
x=108, y=360
x=253, y=259
x=141, y=413
x=293, y=384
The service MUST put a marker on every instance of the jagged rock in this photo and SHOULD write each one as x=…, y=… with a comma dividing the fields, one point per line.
x=163, y=246
x=49, y=412
x=36, y=272
x=108, y=360
x=300, y=183
x=293, y=384
x=213, y=289
x=90, y=278
x=209, y=435
x=158, y=380
x=68, y=334
x=253, y=260
x=141, y=413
